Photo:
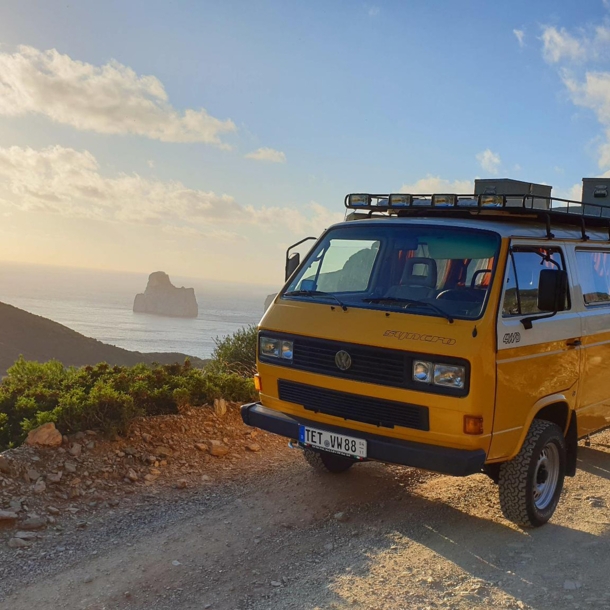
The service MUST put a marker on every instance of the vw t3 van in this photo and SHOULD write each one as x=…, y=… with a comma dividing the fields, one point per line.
x=459, y=334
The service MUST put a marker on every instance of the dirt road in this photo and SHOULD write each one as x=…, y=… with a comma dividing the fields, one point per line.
x=405, y=539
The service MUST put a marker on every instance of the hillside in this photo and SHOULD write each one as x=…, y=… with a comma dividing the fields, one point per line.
x=37, y=338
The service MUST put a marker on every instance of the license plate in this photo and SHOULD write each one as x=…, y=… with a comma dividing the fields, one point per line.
x=332, y=442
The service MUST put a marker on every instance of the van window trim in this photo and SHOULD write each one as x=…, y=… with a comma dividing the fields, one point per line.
x=527, y=247
x=599, y=250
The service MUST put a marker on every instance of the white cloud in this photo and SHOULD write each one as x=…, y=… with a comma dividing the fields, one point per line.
x=574, y=193
x=593, y=92
x=520, y=35
x=267, y=154
x=591, y=43
x=489, y=161
x=559, y=44
x=586, y=88
x=111, y=99
x=435, y=184
x=68, y=182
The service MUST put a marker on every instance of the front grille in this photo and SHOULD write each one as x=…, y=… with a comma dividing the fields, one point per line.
x=384, y=413
x=369, y=364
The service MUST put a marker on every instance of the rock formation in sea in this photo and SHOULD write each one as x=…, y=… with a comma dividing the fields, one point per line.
x=270, y=298
x=161, y=297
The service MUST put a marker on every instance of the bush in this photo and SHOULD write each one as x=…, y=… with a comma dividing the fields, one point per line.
x=236, y=353
x=106, y=398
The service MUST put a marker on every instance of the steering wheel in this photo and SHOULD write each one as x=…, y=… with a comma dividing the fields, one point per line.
x=476, y=274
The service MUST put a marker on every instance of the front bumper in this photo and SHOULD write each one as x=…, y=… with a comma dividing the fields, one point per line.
x=456, y=462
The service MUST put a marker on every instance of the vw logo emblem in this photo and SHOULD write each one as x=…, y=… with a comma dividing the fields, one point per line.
x=343, y=360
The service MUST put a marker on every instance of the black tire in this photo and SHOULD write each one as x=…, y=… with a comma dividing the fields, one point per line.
x=531, y=483
x=322, y=461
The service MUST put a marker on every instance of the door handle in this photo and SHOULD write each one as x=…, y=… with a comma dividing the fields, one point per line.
x=574, y=343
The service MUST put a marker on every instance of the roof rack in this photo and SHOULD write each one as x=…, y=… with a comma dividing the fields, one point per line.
x=546, y=209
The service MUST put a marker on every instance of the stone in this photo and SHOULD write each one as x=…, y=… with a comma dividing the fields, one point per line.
x=46, y=435
x=217, y=449
x=571, y=585
x=87, y=579
x=341, y=517
x=150, y=477
x=201, y=447
x=276, y=583
x=52, y=510
x=220, y=406
x=33, y=474
x=164, y=452
x=7, y=516
x=146, y=437
x=255, y=447
x=161, y=297
x=596, y=502
x=70, y=467
x=181, y=484
x=6, y=466
x=17, y=543
x=40, y=486
x=90, y=445
x=33, y=523
x=54, y=477
x=132, y=475
x=25, y=535
x=76, y=449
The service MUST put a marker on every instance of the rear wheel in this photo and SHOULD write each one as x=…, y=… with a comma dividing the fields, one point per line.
x=322, y=461
x=531, y=483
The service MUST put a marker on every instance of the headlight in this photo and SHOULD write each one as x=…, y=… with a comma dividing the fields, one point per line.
x=444, y=375
x=275, y=348
x=449, y=376
x=422, y=371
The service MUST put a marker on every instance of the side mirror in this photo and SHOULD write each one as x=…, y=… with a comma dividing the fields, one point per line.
x=552, y=290
x=292, y=262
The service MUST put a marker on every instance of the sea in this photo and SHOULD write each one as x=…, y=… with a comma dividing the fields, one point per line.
x=99, y=304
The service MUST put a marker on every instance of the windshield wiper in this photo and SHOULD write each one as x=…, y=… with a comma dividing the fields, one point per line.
x=315, y=293
x=411, y=302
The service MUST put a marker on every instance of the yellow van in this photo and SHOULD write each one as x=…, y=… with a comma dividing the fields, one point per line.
x=459, y=334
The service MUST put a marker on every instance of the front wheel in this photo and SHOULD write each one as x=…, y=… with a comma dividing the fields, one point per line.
x=322, y=461
x=531, y=483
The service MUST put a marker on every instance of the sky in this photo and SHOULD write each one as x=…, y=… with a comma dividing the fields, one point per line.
x=203, y=138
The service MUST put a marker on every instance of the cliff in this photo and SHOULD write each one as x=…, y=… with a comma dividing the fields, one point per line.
x=162, y=298
x=40, y=339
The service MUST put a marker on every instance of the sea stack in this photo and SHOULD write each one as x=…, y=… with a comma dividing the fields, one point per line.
x=162, y=298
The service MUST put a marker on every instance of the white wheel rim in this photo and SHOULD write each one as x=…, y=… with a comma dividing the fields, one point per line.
x=546, y=476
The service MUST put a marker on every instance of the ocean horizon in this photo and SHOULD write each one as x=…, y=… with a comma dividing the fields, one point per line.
x=99, y=304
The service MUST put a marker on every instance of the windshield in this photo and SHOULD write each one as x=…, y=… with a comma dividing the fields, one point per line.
x=438, y=271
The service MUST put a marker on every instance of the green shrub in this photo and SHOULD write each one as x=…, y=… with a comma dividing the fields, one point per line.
x=236, y=353
x=106, y=398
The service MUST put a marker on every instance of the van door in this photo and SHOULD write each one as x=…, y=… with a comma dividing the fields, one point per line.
x=593, y=268
x=531, y=363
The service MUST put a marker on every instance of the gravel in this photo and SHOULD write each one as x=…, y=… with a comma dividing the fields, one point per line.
x=271, y=538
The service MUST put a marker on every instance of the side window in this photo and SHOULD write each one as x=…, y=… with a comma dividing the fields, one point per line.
x=523, y=273
x=594, y=274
